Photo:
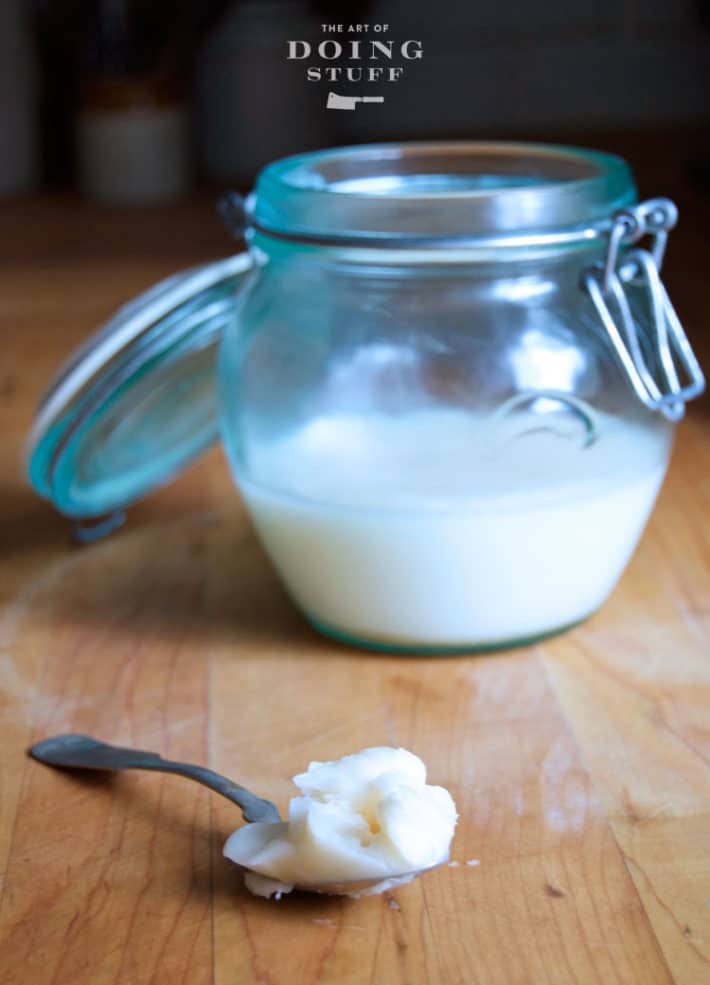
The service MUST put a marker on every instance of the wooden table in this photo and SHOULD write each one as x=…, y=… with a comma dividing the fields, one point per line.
x=581, y=766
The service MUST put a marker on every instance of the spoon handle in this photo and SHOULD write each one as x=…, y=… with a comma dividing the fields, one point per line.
x=83, y=752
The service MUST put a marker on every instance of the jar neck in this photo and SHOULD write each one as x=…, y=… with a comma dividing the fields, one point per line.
x=582, y=250
x=441, y=194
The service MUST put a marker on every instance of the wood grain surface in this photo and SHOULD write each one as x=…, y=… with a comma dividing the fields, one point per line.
x=581, y=766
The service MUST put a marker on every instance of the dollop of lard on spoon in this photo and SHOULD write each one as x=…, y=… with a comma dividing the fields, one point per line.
x=367, y=818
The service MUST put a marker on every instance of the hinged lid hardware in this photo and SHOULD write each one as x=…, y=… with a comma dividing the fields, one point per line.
x=662, y=368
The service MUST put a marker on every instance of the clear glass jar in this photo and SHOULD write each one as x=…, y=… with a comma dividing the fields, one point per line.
x=447, y=389
x=427, y=420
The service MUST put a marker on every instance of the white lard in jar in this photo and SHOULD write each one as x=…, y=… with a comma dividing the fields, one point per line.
x=387, y=533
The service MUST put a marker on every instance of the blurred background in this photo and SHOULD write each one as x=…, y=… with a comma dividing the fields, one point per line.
x=140, y=101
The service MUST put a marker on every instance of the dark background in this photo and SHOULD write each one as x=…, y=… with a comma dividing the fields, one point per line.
x=513, y=68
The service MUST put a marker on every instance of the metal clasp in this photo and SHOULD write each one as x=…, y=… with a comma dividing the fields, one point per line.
x=662, y=369
x=231, y=209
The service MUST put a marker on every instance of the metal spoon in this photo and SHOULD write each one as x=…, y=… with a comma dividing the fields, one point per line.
x=82, y=752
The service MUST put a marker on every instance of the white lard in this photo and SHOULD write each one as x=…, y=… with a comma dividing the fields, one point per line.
x=438, y=530
x=368, y=816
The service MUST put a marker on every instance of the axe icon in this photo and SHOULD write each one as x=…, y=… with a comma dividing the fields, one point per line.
x=349, y=102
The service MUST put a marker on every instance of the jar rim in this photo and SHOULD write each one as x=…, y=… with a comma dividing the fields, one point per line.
x=441, y=193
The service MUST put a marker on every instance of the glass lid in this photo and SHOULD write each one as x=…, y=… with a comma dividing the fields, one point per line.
x=137, y=402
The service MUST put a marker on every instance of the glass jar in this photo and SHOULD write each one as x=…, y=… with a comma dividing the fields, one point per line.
x=447, y=389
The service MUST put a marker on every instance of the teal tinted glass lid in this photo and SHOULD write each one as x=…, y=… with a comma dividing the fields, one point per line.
x=137, y=402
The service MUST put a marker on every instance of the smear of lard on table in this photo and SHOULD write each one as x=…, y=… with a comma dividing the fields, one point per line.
x=370, y=815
